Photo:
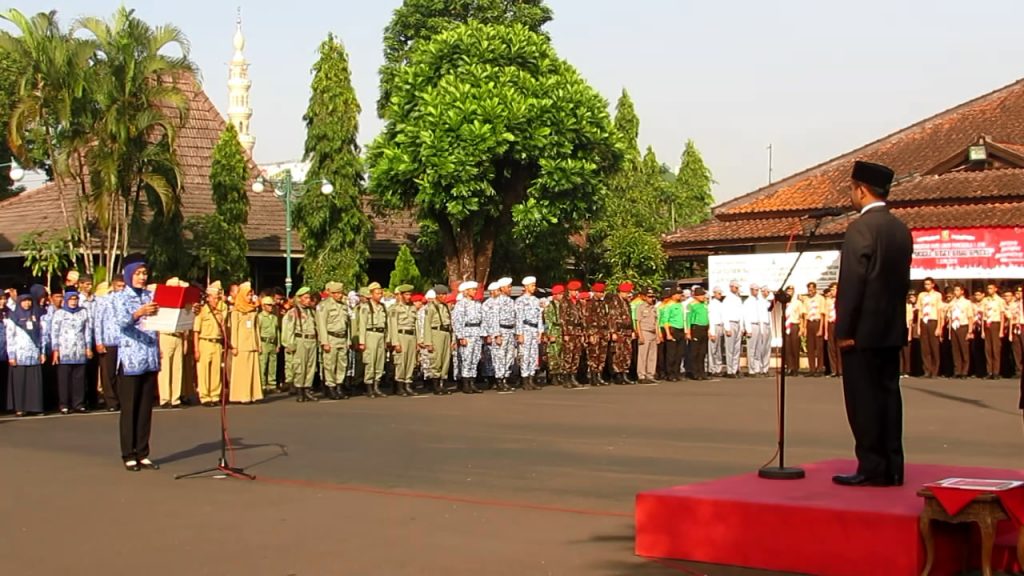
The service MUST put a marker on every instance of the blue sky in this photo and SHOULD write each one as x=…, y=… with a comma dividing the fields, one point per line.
x=812, y=78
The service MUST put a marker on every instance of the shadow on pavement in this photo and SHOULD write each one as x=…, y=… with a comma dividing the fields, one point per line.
x=237, y=445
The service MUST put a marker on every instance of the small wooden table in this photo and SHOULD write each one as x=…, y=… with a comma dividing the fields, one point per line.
x=985, y=510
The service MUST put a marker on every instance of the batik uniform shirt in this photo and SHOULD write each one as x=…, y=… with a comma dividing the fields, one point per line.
x=21, y=346
x=528, y=314
x=46, y=327
x=468, y=319
x=105, y=328
x=138, y=349
x=72, y=335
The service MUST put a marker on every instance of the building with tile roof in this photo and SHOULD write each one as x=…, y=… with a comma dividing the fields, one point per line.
x=39, y=209
x=961, y=168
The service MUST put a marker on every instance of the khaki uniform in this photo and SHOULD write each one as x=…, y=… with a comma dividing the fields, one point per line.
x=172, y=363
x=209, y=330
x=437, y=333
x=335, y=331
x=402, y=335
x=269, y=329
x=299, y=337
x=647, y=334
x=373, y=324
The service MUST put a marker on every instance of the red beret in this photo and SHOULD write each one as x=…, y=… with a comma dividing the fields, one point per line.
x=626, y=287
x=417, y=297
x=574, y=285
x=583, y=295
x=451, y=298
x=557, y=289
x=597, y=287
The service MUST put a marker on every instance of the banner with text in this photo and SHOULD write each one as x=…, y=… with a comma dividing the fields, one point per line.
x=968, y=253
x=771, y=269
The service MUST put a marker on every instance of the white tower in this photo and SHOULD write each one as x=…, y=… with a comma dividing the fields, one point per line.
x=239, y=111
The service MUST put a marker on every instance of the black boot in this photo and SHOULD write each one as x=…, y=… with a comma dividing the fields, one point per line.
x=465, y=386
x=375, y=390
x=332, y=393
x=300, y=396
x=473, y=388
x=310, y=396
x=528, y=383
x=438, y=385
x=563, y=379
x=406, y=389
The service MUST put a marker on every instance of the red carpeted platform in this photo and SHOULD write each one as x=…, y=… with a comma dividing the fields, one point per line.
x=811, y=526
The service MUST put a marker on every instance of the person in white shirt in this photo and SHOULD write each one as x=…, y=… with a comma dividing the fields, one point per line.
x=716, y=333
x=752, y=329
x=732, y=317
x=765, y=347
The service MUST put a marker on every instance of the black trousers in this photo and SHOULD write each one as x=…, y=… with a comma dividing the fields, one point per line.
x=874, y=407
x=71, y=385
x=698, y=352
x=137, y=394
x=674, y=350
x=108, y=377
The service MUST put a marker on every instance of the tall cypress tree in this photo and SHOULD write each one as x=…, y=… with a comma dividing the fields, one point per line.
x=220, y=240
x=693, y=198
x=334, y=230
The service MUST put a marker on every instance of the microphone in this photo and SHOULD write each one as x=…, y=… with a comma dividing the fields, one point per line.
x=826, y=213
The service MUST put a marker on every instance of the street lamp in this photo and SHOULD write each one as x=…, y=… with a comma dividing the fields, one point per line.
x=286, y=189
x=17, y=172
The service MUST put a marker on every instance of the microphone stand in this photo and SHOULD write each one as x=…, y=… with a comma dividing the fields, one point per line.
x=782, y=472
x=223, y=467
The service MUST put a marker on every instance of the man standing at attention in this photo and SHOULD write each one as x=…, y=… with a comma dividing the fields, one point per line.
x=732, y=318
x=334, y=328
x=929, y=305
x=874, y=279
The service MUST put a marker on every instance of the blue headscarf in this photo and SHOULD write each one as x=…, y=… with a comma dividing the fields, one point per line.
x=68, y=295
x=26, y=318
x=129, y=272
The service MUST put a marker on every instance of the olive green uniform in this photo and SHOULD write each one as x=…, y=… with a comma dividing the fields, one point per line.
x=402, y=336
x=373, y=325
x=268, y=326
x=335, y=331
x=437, y=333
x=299, y=337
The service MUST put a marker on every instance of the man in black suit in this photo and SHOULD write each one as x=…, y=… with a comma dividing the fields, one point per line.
x=874, y=278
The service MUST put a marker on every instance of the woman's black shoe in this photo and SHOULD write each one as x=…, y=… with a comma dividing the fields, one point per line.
x=132, y=466
x=148, y=464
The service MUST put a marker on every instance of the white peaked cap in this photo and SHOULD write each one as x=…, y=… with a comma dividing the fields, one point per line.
x=503, y=282
x=431, y=295
x=529, y=280
x=467, y=285
x=493, y=286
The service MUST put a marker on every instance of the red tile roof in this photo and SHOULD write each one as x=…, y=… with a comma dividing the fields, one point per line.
x=955, y=194
x=39, y=209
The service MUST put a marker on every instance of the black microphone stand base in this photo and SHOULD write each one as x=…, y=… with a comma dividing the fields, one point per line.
x=221, y=469
x=780, y=473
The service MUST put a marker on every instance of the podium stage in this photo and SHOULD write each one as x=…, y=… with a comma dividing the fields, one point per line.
x=812, y=526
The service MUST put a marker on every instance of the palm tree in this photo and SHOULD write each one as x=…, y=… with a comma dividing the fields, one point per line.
x=52, y=112
x=138, y=89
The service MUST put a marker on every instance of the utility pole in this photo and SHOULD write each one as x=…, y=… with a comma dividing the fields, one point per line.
x=770, y=164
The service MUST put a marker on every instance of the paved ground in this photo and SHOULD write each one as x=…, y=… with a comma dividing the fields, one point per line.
x=525, y=484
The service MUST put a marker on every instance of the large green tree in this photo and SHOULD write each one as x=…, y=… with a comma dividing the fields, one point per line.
x=692, y=197
x=420, y=20
x=334, y=228
x=490, y=133
x=9, y=75
x=52, y=110
x=219, y=237
x=140, y=73
x=623, y=240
